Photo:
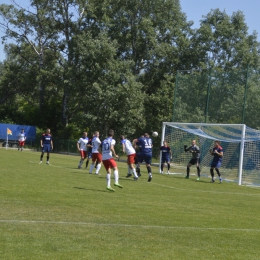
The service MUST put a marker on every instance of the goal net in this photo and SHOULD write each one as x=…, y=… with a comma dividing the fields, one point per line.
x=241, y=149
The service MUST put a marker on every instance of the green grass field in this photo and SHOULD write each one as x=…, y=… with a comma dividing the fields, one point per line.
x=59, y=212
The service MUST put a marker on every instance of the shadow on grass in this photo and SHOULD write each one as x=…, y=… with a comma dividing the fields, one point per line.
x=80, y=188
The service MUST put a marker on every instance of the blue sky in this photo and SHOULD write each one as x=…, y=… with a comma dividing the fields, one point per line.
x=195, y=9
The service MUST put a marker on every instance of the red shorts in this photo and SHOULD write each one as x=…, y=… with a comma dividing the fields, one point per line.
x=21, y=143
x=110, y=163
x=83, y=154
x=131, y=158
x=96, y=157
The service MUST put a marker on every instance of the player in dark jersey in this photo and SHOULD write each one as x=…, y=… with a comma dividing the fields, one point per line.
x=217, y=153
x=46, y=144
x=89, y=152
x=146, y=153
x=166, y=156
x=195, y=151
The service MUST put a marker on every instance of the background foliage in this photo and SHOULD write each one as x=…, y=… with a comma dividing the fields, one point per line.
x=75, y=65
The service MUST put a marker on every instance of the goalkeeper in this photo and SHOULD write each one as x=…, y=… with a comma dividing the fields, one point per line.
x=195, y=160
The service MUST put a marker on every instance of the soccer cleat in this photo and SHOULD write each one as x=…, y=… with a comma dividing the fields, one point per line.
x=118, y=185
x=187, y=177
x=150, y=177
x=47, y=162
x=110, y=189
x=40, y=162
x=135, y=178
x=212, y=181
x=128, y=175
x=220, y=179
x=96, y=173
x=198, y=179
x=168, y=172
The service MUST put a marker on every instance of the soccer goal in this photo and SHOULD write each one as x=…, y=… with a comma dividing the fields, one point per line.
x=241, y=149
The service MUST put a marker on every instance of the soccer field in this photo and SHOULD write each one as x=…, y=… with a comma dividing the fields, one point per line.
x=60, y=212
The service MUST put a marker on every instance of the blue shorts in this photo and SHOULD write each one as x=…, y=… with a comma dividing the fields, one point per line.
x=146, y=157
x=46, y=148
x=89, y=155
x=166, y=159
x=215, y=164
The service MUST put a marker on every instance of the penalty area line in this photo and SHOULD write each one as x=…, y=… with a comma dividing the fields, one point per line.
x=126, y=225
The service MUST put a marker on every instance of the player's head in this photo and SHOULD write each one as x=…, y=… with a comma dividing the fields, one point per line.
x=193, y=142
x=85, y=134
x=48, y=130
x=122, y=137
x=22, y=130
x=217, y=143
x=165, y=143
x=96, y=133
x=146, y=135
x=110, y=132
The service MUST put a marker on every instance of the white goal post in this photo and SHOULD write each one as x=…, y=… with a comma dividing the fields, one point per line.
x=241, y=148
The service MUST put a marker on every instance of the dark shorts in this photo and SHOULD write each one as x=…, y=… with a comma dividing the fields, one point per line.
x=46, y=148
x=165, y=159
x=194, y=161
x=89, y=155
x=146, y=157
x=215, y=164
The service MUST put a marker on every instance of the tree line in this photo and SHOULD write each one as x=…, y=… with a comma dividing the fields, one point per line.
x=74, y=65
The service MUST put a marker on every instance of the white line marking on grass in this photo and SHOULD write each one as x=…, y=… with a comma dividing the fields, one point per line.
x=206, y=191
x=125, y=225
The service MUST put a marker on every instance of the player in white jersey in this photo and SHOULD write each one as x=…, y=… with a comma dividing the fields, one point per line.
x=107, y=157
x=130, y=151
x=96, y=156
x=82, y=147
x=21, y=139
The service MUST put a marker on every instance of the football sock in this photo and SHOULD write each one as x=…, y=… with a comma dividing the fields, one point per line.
x=87, y=163
x=108, y=179
x=198, y=171
x=134, y=172
x=116, y=176
x=188, y=171
x=48, y=157
x=162, y=167
x=98, y=167
x=91, y=168
x=149, y=169
x=169, y=166
x=217, y=170
x=41, y=157
x=212, y=173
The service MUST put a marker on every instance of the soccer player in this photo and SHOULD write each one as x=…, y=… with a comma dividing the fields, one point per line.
x=146, y=153
x=130, y=151
x=166, y=156
x=195, y=159
x=96, y=156
x=21, y=140
x=108, y=151
x=82, y=147
x=217, y=153
x=89, y=152
x=46, y=144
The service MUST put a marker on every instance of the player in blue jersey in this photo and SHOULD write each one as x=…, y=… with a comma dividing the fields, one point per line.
x=46, y=144
x=146, y=144
x=195, y=159
x=166, y=156
x=217, y=153
x=82, y=148
x=89, y=152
